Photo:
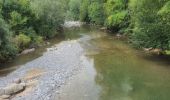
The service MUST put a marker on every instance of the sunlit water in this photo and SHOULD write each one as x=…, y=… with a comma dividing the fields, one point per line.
x=114, y=70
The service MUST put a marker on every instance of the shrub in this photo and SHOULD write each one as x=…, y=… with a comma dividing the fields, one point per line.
x=50, y=16
x=96, y=13
x=7, y=49
x=22, y=41
x=74, y=10
x=117, y=14
x=117, y=21
x=84, y=11
x=150, y=27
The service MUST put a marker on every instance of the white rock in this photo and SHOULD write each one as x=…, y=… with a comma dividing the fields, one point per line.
x=17, y=81
x=27, y=51
x=5, y=97
x=13, y=88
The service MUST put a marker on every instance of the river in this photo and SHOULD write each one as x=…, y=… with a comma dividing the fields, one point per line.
x=110, y=70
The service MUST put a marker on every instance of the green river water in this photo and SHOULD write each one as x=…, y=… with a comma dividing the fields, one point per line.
x=115, y=70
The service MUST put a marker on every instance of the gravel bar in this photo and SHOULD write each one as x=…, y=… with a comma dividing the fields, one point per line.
x=59, y=63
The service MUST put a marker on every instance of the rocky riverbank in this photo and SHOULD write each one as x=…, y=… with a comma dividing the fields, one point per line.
x=45, y=74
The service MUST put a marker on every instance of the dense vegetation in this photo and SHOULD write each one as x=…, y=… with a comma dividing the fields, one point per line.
x=147, y=22
x=25, y=23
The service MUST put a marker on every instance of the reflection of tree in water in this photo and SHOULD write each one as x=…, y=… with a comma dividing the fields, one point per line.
x=126, y=77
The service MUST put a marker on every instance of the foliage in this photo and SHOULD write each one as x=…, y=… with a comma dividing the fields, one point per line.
x=117, y=21
x=22, y=41
x=146, y=21
x=96, y=12
x=74, y=10
x=150, y=26
x=7, y=50
x=28, y=22
x=84, y=11
x=50, y=16
x=117, y=14
x=25, y=23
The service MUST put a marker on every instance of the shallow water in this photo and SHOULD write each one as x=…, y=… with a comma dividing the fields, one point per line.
x=125, y=74
x=113, y=70
x=116, y=71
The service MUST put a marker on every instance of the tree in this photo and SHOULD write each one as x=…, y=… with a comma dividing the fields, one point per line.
x=74, y=10
x=96, y=12
x=24, y=23
x=84, y=11
x=50, y=15
x=149, y=26
x=7, y=49
x=117, y=14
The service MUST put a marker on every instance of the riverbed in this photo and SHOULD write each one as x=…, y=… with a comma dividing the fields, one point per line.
x=88, y=64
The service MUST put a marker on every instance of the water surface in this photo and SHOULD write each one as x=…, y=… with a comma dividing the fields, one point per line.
x=116, y=71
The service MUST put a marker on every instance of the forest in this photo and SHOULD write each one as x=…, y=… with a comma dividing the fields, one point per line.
x=27, y=23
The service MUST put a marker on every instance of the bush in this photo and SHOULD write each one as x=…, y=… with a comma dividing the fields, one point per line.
x=84, y=11
x=36, y=40
x=74, y=10
x=117, y=21
x=7, y=49
x=117, y=14
x=50, y=16
x=150, y=27
x=96, y=13
x=22, y=41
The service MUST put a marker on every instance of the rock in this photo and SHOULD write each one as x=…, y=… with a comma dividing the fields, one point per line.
x=47, y=43
x=50, y=49
x=69, y=24
x=12, y=88
x=103, y=28
x=147, y=49
x=5, y=97
x=2, y=92
x=156, y=51
x=118, y=35
x=17, y=81
x=27, y=51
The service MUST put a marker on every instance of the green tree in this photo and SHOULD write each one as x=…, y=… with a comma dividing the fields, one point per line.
x=7, y=49
x=150, y=27
x=74, y=10
x=25, y=23
x=117, y=14
x=50, y=15
x=84, y=11
x=96, y=12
